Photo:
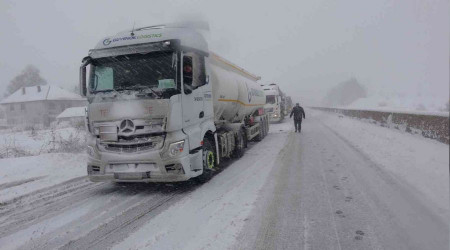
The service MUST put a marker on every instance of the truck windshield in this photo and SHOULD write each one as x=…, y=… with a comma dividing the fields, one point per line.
x=153, y=72
x=270, y=99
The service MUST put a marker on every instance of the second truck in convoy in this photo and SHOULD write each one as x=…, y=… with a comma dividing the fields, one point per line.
x=163, y=108
x=276, y=102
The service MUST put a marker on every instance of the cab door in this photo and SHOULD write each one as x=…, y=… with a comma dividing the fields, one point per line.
x=192, y=97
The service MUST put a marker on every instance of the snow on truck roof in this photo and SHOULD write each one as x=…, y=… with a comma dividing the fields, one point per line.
x=272, y=89
x=72, y=112
x=40, y=93
x=190, y=38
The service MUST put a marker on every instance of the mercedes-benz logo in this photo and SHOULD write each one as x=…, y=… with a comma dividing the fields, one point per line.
x=127, y=126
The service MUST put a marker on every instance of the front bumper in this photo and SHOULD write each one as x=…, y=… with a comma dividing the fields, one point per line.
x=143, y=167
x=273, y=118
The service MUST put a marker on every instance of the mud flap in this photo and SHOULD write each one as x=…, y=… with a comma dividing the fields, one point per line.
x=196, y=161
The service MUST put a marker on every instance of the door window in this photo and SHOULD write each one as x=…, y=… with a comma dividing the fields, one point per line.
x=193, y=71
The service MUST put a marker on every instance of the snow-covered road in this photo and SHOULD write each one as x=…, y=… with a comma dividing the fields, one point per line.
x=341, y=184
x=328, y=194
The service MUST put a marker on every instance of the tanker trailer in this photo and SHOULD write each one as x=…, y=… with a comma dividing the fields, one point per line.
x=163, y=108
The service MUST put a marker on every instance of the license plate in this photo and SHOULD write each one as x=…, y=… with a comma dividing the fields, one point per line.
x=131, y=167
x=129, y=176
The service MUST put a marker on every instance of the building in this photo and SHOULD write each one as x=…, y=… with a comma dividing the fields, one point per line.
x=38, y=105
x=74, y=116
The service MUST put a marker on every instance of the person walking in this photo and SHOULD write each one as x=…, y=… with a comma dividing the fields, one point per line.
x=298, y=114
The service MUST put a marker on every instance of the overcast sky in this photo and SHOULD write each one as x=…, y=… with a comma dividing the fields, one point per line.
x=398, y=46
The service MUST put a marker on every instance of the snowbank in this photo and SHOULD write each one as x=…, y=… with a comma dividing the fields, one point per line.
x=421, y=162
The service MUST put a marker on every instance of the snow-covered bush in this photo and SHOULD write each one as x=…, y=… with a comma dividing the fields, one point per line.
x=40, y=141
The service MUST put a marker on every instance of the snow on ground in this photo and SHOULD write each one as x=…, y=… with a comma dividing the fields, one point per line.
x=48, y=157
x=423, y=163
x=213, y=215
x=23, y=175
x=28, y=142
x=399, y=110
x=401, y=102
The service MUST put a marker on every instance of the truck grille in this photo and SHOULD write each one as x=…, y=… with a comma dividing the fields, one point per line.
x=133, y=145
x=129, y=148
x=269, y=110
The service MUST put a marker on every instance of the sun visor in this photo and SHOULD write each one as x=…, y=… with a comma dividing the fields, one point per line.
x=131, y=49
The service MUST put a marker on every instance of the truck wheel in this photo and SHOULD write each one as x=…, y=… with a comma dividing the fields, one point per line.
x=264, y=126
x=209, y=161
x=244, y=136
x=263, y=130
x=260, y=136
x=240, y=145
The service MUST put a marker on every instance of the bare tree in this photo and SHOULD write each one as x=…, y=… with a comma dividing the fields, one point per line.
x=30, y=76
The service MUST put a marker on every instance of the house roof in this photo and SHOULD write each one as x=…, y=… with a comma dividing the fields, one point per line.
x=72, y=112
x=47, y=92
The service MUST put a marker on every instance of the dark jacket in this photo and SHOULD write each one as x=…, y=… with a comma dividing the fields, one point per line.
x=298, y=113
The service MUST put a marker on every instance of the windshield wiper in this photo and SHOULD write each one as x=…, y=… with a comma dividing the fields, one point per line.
x=156, y=93
x=105, y=91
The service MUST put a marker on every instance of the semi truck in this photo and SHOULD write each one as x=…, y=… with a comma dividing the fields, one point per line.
x=275, y=102
x=163, y=108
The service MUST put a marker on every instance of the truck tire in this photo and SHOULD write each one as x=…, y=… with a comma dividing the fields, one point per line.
x=209, y=161
x=260, y=135
x=240, y=145
x=263, y=129
x=244, y=134
x=264, y=125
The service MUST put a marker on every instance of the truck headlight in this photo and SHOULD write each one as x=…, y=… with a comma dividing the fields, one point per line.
x=176, y=148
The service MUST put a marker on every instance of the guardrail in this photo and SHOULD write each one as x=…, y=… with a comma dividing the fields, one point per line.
x=430, y=126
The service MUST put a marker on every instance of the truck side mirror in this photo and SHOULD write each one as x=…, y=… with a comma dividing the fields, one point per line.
x=83, y=89
x=85, y=62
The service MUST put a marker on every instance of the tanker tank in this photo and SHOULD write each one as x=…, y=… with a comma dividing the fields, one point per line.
x=236, y=92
